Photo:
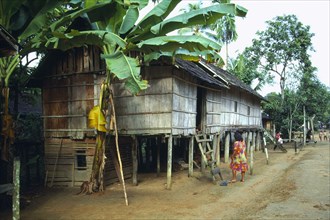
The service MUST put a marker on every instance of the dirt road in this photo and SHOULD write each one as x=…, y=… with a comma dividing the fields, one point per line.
x=291, y=186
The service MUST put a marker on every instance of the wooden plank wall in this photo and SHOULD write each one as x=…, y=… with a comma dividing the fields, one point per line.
x=248, y=109
x=61, y=163
x=213, y=111
x=125, y=146
x=184, y=106
x=68, y=93
x=70, y=90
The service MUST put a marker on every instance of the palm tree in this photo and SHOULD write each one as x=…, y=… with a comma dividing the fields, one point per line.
x=225, y=29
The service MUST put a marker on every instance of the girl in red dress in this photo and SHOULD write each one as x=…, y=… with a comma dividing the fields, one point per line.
x=238, y=158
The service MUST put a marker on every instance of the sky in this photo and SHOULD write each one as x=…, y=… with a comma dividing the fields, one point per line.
x=314, y=13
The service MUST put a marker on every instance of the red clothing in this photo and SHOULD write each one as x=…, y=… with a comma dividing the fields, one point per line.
x=278, y=135
x=239, y=158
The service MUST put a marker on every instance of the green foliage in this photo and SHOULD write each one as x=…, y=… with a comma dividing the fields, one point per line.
x=310, y=93
x=315, y=96
x=247, y=70
x=28, y=128
x=282, y=49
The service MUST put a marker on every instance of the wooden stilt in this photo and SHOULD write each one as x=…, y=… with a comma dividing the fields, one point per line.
x=227, y=143
x=169, y=163
x=253, y=139
x=258, y=141
x=251, y=159
x=248, y=143
x=191, y=157
x=214, y=146
x=158, y=156
x=135, y=160
x=16, y=190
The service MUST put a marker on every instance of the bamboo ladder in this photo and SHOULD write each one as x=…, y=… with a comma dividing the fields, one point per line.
x=202, y=139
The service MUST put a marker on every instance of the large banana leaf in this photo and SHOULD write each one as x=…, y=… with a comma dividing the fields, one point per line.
x=79, y=38
x=156, y=15
x=191, y=43
x=40, y=19
x=183, y=54
x=205, y=16
x=65, y=20
x=129, y=20
x=128, y=68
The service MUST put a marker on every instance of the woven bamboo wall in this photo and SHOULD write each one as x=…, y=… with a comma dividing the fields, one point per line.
x=167, y=106
x=240, y=109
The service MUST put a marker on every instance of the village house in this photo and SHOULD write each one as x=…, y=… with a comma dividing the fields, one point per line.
x=186, y=102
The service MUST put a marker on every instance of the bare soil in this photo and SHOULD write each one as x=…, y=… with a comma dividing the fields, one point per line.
x=291, y=186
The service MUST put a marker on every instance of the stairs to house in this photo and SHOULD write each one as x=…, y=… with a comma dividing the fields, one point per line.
x=207, y=154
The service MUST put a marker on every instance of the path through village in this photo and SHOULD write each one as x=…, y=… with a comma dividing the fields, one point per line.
x=291, y=186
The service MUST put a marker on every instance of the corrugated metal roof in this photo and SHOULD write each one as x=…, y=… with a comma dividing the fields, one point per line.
x=231, y=79
x=195, y=70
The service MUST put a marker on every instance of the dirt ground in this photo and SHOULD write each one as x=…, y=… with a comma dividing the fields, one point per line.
x=291, y=186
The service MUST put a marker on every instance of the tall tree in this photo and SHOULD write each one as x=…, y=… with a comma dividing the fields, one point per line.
x=247, y=70
x=282, y=49
x=225, y=29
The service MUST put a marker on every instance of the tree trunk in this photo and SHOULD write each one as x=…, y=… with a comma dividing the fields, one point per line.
x=96, y=178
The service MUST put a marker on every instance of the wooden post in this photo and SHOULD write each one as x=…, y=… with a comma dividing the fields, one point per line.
x=203, y=161
x=191, y=156
x=135, y=160
x=16, y=180
x=251, y=159
x=218, y=150
x=169, y=162
x=247, y=141
x=117, y=147
x=253, y=139
x=258, y=140
x=158, y=155
x=214, y=146
x=264, y=143
x=227, y=143
x=266, y=152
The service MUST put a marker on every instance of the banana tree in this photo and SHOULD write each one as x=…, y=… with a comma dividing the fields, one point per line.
x=14, y=16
